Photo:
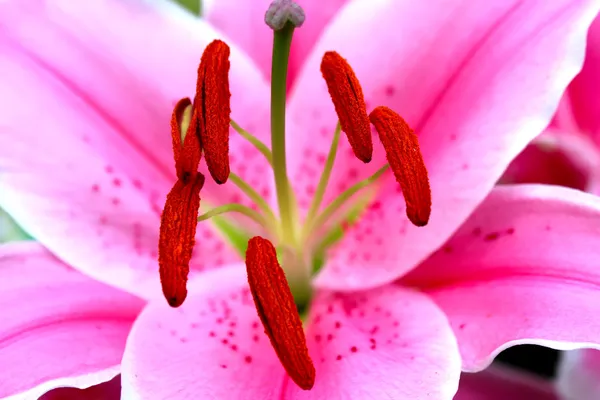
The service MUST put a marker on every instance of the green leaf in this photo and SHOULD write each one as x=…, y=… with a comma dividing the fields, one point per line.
x=193, y=6
x=9, y=230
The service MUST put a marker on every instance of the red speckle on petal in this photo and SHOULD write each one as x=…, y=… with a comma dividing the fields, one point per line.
x=390, y=91
x=490, y=237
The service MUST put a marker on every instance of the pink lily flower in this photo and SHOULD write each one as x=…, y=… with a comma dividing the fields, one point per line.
x=88, y=175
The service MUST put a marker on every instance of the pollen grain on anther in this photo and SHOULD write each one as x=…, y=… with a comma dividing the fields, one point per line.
x=212, y=108
x=406, y=161
x=277, y=311
x=348, y=99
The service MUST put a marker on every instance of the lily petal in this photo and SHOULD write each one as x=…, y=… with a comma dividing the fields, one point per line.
x=87, y=93
x=557, y=157
x=579, y=375
x=244, y=22
x=475, y=96
x=386, y=343
x=585, y=101
x=522, y=269
x=59, y=328
x=501, y=383
x=214, y=346
x=110, y=390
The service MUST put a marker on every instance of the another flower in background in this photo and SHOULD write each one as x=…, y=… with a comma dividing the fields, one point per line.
x=9, y=230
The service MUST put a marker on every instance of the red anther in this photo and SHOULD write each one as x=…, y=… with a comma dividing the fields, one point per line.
x=277, y=311
x=347, y=95
x=187, y=154
x=404, y=156
x=177, y=237
x=212, y=108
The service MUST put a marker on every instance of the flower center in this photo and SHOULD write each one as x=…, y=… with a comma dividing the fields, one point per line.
x=280, y=267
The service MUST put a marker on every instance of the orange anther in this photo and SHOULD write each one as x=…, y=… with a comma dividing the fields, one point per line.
x=177, y=237
x=277, y=311
x=212, y=108
x=349, y=102
x=404, y=156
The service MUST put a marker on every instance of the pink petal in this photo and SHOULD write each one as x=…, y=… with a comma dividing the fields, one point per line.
x=475, y=95
x=110, y=390
x=564, y=118
x=585, y=101
x=59, y=328
x=557, y=157
x=501, y=383
x=579, y=375
x=215, y=347
x=388, y=343
x=87, y=93
x=522, y=269
x=212, y=347
x=244, y=23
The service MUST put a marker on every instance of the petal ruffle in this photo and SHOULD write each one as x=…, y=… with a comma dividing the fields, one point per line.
x=59, y=327
x=475, y=96
x=522, y=269
x=87, y=93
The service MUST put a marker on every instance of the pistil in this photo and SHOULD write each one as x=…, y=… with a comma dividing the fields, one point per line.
x=282, y=41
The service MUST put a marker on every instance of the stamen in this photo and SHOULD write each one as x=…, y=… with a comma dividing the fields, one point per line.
x=234, y=207
x=254, y=141
x=186, y=148
x=178, y=220
x=342, y=199
x=277, y=311
x=325, y=175
x=347, y=95
x=212, y=108
x=253, y=195
x=404, y=156
x=176, y=239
